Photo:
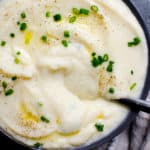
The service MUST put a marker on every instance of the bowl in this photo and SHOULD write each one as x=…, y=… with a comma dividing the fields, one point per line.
x=131, y=115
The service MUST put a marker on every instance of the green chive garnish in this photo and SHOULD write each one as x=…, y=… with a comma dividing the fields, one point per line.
x=23, y=26
x=135, y=42
x=96, y=60
x=64, y=43
x=4, y=84
x=3, y=43
x=23, y=15
x=94, y=8
x=14, y=78
x=132, y=86
x=110, y=66
x=111, y=90
x=93, y=54
x=16, y=60
x=57, y=17
x=18, y=22
x=9, y=92
x=47, y=14
x=37, y=145
x=84, y=11
x=18, y=53
x=44, y=38
x=72, y=19
x=40, y=104
x=75, y=11
x=66, y=34
x=44, y=119
x=99, y=127
x=132, y=72
x=105, y=57
x=12, y=35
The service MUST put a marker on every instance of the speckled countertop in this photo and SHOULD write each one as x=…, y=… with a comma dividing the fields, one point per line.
x=142, y=122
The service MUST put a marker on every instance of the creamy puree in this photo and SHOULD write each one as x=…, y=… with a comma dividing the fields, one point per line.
x=59, y=67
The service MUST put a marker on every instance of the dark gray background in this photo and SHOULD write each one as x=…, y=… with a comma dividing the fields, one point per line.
x=144, y=8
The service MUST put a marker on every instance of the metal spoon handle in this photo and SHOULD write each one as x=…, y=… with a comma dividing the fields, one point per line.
x=136, y=104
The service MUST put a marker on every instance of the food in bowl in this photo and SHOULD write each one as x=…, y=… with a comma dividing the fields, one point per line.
x=60, y=63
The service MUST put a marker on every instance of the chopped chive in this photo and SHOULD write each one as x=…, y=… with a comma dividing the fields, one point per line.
x=9, y=92
x=64, y=43
x=100, y=59
x=40, y=104
x=4, y=84
x=111, y=90
x=47, y=14
x=99, y=127
x=135, y=42
x=93, y=54
x=72, y=19
x=75, y=11
x=23, y=15
x=132, y=72
x=23, y=26
x=18, y=53
x=16, y=60
x=12, y=35
x=94, y=8
x=18, y=23
x=84, y=11
x=96, y=60
x=110, y=66
x=44, y=119
x=3, y=43
x=37, y=145
x=57, y=17
x=44, y=38
x=66, y=34
x=14, y=78
x=132, y=86
x=105, y=57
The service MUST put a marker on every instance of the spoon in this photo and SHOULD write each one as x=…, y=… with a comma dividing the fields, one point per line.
x=137, y=104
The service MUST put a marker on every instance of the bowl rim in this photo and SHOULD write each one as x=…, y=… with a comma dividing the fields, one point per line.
x=132, y=114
